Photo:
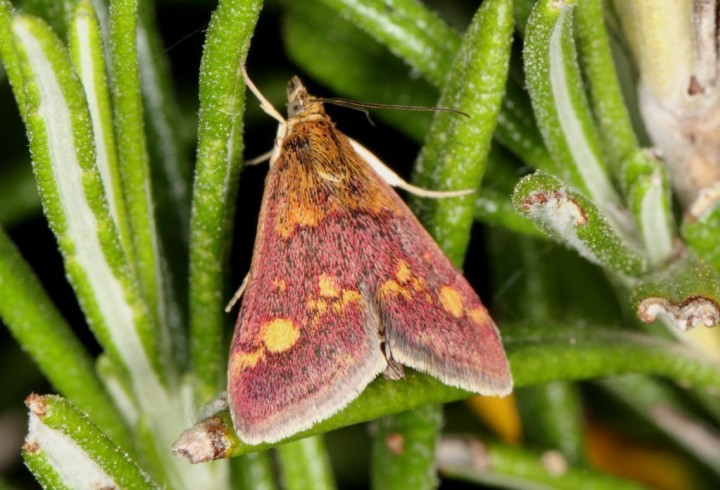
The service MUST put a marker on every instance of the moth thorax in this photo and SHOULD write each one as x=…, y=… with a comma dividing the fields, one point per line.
x=300, y=103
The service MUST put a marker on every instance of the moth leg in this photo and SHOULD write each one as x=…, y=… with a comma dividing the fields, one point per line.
x=259, y=159
x=394, y=369
x=238, y=294
x=395, y=180
x=265, y=104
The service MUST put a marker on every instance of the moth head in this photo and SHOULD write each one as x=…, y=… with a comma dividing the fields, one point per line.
x=300, y=103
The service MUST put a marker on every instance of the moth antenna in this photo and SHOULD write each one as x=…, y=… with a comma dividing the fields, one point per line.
x=238, y=294
x=395, y=180
x=265, y=104
x=363, y=106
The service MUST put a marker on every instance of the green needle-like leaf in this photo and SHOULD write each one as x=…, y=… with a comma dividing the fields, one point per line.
x=702, y=225
x=403, y=454
x=86, y=50
x=647, y=192
x=43, y=333
x=456, y=149
x=611, y=114
x=305, y=464
x=135, y=169
x=254, y=470
x=657, y=402
x=409, y=30
x=504, y=466
x=685, y=295
x=552, y=418
x=537, y=354
x=222, y=96
x=65, y=447
x=573, y=220
x=61, y=142
x=561, y=109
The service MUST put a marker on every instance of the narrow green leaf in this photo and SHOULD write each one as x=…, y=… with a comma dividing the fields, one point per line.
x=685, y=295
x=493, y=203
x=254, y=470
x=560, y=106
x=611, y=114
x=78, y=453
x=701, y=227
x=305, y=464
x=10, y=58
x=119, y=387
x=572, y=219
x=648, y=196
x=42, y=332
x=504, y=466
x=222, y=95
x=538, y=354
x=403, y=454
x=134, y=167
x=58, y=124
x=57, y=13
x=38, y=462
x=86, y=50
x=170, y=176
x=411, y=31
x=656, y=402
x=517, y=129
x=552, y=419
x=61, y=142
x=456, y=149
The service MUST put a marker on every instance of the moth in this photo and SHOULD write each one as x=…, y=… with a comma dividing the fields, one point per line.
x=345, y=284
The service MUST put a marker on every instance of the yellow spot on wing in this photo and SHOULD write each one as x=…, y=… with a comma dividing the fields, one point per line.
x=418, y=283
x=245, y=360
x=318, y=305
x=452, y=301
x=349, y=296
x=403, y=273
x=280, y=285
x=328, y=287
x=279, y=335
x=391, y=288
x=479, y=315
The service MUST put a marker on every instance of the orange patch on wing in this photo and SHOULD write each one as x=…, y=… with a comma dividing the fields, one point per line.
x=318, y=305
x=391, y=288
x=328, y=287
x=479, y=315
x=280, y=285
x=279, y=335
x=348, y=297
x=403, y=273
x=418, y=283
x=452, y=301
x=299, y=215
x=245, y=360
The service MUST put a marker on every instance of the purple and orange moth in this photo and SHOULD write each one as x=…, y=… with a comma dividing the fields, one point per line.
x=345, y=284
